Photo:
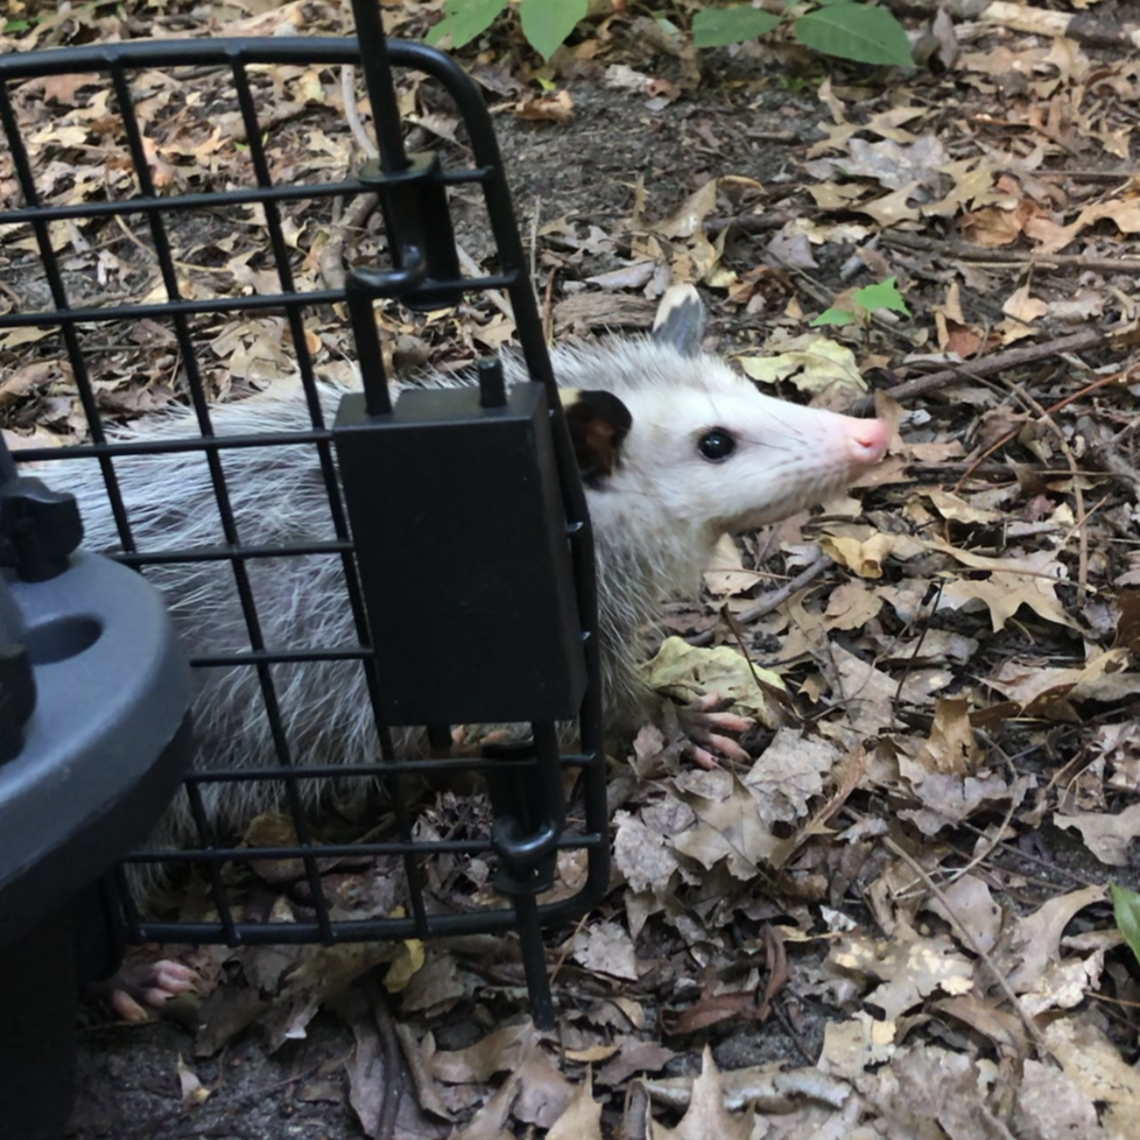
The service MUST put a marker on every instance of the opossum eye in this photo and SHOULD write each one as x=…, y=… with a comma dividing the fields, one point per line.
x=717, y=444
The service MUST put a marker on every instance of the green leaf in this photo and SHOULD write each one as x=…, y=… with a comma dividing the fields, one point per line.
x=854, y=31
x=884, y=295
x=464, y=20
x=718, y=27
x=1126, y=909
x=547, y=23
x=834, y=317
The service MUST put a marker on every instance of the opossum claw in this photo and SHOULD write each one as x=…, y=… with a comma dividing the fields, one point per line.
x=700, y=722
x=712, y=717
x=725, y=745
x=137, y=990
x=703, y=758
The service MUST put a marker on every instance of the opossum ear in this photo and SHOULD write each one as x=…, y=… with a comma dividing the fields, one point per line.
x=680, y=320
x=598, y=423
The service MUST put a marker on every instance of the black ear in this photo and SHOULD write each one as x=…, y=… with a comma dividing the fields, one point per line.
x=598, y=423
x=680, y=320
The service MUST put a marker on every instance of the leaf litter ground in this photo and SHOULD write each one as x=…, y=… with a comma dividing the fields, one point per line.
x=894, y=921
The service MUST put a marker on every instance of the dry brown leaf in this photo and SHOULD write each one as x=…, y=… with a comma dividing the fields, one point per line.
x=556, y=108
x=728, y=825
x=642, y=854
x=948, y=799
x=863, y=557
x=908, y=971
x=192, y=1090
x=1108, y=837
x=725, y=575
x=634, y=1056
x=896, y=166
x=1030, y=580
x=582, y=1119
x=606, y=948
x=1037, y=939
x=929, y=1092
x=812, y=363
x=727, y=829
x=995, y=226
x=867, y=694
x=970, y=904
x=1052, y=1106
x=1064, y=985
x=789, y=773
x=707, y=1115
x=769, y=1088
x=1037, y=687
x=893, y=208
x=489, y=1122
x=1092, y=1062
x=1124, y=214
x=321, y=973
x=1001, y=1025
x=961, y=510
x=687, y=219
x=850, y=1047
x=851, y=606
x=951, y=747
x=496, y=1053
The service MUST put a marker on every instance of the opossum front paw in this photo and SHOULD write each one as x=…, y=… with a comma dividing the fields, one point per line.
x=704, y=724
x=138, y=989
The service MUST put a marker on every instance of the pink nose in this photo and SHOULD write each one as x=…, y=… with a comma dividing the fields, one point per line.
x=869, y=439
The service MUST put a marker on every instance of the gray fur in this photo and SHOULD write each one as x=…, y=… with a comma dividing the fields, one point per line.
x=680, y=320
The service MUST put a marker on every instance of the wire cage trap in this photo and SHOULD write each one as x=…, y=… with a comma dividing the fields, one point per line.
x=97, y=257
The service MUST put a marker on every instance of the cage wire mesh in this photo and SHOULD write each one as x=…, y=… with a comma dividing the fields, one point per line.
x=162, y=227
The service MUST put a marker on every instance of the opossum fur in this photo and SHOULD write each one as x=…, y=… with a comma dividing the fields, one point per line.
x=657, y=503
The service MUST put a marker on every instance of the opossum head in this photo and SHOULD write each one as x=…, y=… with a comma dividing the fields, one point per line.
x=699, y=451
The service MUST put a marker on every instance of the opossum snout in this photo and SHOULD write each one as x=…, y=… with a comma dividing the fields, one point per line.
x=867, y=440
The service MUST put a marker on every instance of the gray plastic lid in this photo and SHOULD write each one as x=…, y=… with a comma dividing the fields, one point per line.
x=113, y=688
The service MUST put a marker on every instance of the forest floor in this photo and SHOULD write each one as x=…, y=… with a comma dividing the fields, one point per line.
x=895, y=920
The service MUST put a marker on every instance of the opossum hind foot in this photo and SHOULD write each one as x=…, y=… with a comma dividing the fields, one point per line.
x=137, y=990
x=705, y=725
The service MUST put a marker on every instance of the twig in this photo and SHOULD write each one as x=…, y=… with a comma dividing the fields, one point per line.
x=394, y=1073
x=777, y=598
x=1044, y=416
x=986, y=366
x=534, y=237
x=351, y=115
x=748, y=223
x=992, y=844
x=932, y=610
x=497, y=296
x=332, y=256
x=1017, y=258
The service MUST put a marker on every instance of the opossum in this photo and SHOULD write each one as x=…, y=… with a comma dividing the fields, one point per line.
x=695, y=451
x=676, y=450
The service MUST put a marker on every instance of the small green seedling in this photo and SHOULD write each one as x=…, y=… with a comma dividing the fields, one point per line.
x=859, y=306
x=1126, y=910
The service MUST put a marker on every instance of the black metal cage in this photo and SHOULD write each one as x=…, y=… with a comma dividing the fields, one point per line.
x=52, y=266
